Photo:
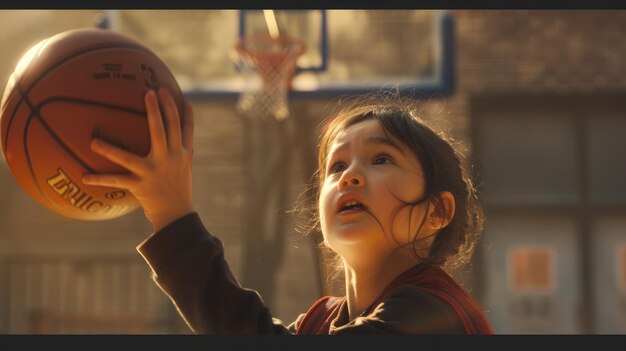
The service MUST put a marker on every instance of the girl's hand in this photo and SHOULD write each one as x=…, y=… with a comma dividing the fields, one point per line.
x=161, y=181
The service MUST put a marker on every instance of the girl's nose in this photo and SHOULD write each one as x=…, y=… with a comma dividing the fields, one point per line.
x=351, y=178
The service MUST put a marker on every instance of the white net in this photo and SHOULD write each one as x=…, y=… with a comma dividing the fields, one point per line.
x=268, y=65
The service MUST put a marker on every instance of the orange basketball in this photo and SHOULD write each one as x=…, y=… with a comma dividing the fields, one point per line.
x=65, y=90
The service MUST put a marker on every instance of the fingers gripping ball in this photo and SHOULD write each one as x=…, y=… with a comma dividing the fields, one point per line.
x=65, y=91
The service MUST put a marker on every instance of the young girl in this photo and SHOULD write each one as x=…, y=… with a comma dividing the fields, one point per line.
x=393, y=202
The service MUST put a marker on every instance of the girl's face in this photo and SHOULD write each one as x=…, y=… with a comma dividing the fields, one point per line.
x=368, y=177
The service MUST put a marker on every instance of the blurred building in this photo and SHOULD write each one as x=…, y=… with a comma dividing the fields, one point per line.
x=536, y=102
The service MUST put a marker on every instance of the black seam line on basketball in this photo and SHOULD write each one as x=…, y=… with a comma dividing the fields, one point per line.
x=30, y=165
x=25, y=143
x=34, y=112
x=56, y=65
x=92, y=103
x=22, y=97
x=37, y=115
x=57, y=138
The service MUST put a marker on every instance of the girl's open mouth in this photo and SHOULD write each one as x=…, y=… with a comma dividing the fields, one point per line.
x=352, y=206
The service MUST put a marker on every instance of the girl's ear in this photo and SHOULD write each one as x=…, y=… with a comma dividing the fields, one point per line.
x=441, y=212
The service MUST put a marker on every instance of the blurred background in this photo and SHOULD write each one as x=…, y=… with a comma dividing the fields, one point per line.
x=535, y=99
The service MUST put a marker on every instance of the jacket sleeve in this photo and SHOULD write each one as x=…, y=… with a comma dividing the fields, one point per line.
x=188, y=265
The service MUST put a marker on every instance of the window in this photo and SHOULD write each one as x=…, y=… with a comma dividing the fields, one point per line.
x=553, y=182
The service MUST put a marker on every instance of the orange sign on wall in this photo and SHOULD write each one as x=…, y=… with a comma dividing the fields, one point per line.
x=531, y=269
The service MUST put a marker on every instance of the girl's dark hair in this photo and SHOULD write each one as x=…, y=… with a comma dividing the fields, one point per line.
x=444, y=168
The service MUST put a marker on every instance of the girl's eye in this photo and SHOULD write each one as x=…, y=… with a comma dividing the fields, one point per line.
x=337, y=167
x=381, y=160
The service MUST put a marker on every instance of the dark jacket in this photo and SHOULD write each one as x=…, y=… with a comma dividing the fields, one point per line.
x=188, y=265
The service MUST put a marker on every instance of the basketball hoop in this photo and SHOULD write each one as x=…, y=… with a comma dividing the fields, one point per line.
x=268, y=64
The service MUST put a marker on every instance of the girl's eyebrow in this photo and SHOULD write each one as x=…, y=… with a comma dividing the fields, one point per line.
x=376, y=139
x=385, y=141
